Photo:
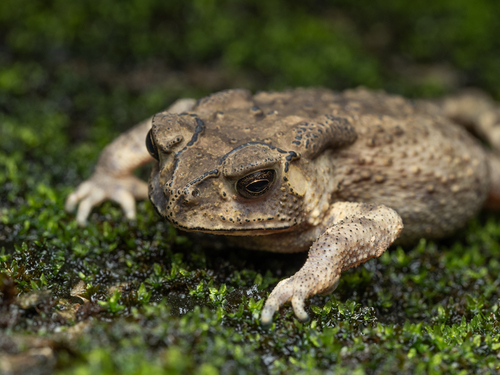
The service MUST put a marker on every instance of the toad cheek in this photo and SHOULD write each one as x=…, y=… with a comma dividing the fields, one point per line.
x=214, y=207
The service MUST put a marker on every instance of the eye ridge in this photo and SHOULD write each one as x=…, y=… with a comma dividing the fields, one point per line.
x=150, y=145
x=256, y=184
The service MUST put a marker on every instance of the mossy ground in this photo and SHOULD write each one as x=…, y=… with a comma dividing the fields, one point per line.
x=139, y=298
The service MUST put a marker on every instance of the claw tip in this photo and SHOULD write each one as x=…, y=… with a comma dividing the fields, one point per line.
x=303, y=318
x=266, y=318
x=82, y=224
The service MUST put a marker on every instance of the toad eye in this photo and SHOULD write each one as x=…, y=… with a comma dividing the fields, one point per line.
x=150, y=145
x=256, y=184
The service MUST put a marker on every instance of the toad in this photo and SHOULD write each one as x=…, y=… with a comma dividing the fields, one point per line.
x=340, y=174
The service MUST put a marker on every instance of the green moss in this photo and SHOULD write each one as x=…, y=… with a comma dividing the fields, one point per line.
x=140, y=298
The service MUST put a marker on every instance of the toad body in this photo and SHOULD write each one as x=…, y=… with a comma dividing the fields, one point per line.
x=342, y=175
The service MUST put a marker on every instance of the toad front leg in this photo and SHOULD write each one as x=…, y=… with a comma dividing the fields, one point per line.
x=356, y=233
x=113, y=177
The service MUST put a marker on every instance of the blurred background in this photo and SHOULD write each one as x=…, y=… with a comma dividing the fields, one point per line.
x=85, y=70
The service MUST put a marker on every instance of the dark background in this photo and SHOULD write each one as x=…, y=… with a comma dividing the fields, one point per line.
x=111, y=63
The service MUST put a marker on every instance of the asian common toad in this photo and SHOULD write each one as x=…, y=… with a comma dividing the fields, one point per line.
x=336, y=173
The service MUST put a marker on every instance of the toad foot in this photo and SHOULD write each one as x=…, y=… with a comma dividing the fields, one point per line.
x=359, y=232
x=101, y=186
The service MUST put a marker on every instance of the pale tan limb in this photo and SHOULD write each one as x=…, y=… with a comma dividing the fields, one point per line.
x=476, y=110
x=358, y=232
x=113, y=177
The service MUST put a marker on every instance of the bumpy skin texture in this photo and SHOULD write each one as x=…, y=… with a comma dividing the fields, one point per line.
x=336, y=173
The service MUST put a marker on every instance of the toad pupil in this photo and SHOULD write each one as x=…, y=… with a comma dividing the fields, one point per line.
x=255, y=184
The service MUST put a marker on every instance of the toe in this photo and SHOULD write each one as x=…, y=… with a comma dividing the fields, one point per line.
x=266, y=317
x=86, y=206
x=81, y=192
x=298, y=308
x=280, y=295
x=127, y=202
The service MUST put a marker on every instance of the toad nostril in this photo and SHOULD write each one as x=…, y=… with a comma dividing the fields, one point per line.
x=189, y=197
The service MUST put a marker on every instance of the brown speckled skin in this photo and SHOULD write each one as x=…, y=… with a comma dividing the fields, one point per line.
x=370, y=147
x=349, y=170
